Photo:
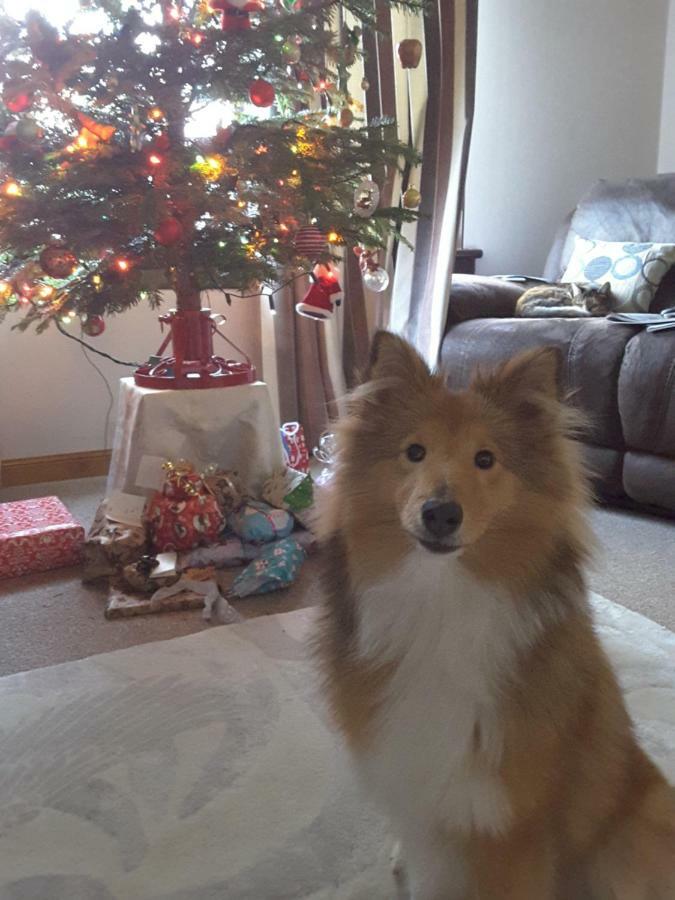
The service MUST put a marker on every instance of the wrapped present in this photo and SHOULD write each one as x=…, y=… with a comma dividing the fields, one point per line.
x=259, y=523
x=123, y=603
x=37, y=535
x=289, y=490
x=184, y=514
x=110, y=546
x=142, y=575
x=295, y=447
x=230, y=552
x=277, y=567
x=226, y=487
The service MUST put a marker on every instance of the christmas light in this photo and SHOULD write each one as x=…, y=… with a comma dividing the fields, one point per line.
x=196, y=38
x=155, y=113
x=12, y=189
x=241, y=204
x=155, y=159
x=97, y=280
x=45, y=291
x=261, y=149
x=122, y=265
x=6, y=290
x=332, y=237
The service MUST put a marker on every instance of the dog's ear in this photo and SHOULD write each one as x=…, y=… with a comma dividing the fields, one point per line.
x=528, y=375
x=393, y=358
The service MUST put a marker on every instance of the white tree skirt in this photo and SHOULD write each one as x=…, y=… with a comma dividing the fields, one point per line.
x=233, y=427
x=202, y=768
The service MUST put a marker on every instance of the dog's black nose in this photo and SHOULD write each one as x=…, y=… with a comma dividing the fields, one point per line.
x=441, y=517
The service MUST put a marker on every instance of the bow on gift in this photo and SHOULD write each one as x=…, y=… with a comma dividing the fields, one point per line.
x=181, y=478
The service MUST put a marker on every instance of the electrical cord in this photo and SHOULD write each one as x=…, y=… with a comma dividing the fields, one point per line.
x=120, y=362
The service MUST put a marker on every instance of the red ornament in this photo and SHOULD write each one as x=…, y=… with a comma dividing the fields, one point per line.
x=93, y=326
x=261, y=92
x=58, y=262
x=160, y=142
x=168, y=232
x=310, y=242
x=8, y=142
x=317, y=303
x=19, y=102
x=410, y=53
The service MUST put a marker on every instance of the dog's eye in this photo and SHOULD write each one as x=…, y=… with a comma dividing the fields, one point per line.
x=484, y=459
x=416, y=453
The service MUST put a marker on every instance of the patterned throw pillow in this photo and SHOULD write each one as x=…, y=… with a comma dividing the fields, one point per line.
x=633, y=270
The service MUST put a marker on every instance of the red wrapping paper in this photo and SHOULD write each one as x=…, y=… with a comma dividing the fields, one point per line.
x=37, y=535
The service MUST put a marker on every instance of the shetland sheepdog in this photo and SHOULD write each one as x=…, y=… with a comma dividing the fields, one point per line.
x=457, y=647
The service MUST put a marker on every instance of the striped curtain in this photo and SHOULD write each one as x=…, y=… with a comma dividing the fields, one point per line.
x=434, y=106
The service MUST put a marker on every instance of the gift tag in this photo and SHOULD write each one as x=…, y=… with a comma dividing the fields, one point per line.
x=150, y=473
x=125, y=508
x=167, y=565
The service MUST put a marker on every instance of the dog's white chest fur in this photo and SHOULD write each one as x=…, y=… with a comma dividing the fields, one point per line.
x=437, y=736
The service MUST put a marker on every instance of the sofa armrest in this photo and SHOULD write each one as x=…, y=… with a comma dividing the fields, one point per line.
x=483, y=297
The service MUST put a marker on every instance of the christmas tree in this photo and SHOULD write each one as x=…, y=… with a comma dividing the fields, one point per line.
x=109, y=191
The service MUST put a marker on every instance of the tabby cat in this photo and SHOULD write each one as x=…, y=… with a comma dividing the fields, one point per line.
x=566, y=300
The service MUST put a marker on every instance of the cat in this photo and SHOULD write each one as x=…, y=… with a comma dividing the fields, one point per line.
x=566, y=300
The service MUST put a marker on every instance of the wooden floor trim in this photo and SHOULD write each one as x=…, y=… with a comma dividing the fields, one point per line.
x=58, y=467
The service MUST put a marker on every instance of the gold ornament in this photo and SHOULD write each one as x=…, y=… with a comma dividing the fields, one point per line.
x=411, y=198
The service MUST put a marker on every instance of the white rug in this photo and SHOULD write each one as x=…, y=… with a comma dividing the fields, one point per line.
x=201, y=768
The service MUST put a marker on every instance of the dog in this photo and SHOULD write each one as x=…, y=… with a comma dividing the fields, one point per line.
x=457, y=649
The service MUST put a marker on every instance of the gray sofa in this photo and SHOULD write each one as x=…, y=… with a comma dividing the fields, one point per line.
x=621, y=376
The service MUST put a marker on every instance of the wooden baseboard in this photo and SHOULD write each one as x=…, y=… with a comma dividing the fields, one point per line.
x=58, y=467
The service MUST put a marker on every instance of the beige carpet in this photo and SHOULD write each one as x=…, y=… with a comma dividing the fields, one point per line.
x=201, y=768
x=51, y=617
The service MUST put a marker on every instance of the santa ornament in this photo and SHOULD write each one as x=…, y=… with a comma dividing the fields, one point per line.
x=317, y=302
x=235, y=13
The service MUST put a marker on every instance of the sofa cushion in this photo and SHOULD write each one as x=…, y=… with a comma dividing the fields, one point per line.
x=638, y=209
x=604, y=466
x=592, y=349
x=646, y=392
x=650, y=480
x=633, y=271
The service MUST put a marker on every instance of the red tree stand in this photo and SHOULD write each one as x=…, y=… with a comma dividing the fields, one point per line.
x=193, y=364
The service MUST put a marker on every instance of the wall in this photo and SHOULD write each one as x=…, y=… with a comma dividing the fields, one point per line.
x=667, y=137
x=566, y=92
x=53, y=401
